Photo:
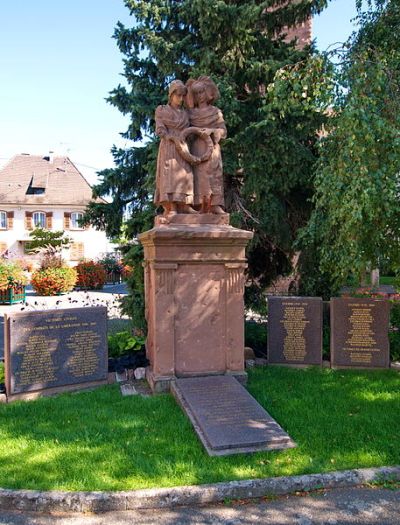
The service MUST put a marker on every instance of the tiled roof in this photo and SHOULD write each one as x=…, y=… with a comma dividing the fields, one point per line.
x=61, y=180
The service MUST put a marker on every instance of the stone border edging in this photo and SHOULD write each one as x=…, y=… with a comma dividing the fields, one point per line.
x=45, y=501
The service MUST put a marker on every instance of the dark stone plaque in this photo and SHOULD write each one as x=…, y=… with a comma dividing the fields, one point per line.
x=227, y=419
x=359, y=333
x=295, y=330
x=55, y=350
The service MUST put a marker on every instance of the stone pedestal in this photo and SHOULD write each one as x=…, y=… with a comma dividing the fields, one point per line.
x=194, y=282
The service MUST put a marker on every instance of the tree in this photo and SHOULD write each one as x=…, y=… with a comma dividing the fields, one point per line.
x=356, y=222
x=272, y=97
x=44, y=238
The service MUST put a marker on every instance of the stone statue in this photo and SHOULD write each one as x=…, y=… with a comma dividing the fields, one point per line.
x=187, y=177
x=174, y=179
x=209, y=121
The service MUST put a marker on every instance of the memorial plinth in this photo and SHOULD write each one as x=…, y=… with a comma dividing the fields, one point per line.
x=54, y=351
x=295, y=331
x=359, y=333
x=194, y=283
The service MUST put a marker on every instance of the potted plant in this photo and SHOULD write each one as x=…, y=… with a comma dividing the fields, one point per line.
x=12, y=282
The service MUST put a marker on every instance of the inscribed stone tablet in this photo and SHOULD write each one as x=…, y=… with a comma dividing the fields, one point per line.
x=359, y=333
x=55, y=348
x=227, y=419
x=295, y=330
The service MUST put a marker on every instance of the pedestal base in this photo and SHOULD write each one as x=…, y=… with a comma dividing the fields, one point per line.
x=194, y=281
x=161, y=385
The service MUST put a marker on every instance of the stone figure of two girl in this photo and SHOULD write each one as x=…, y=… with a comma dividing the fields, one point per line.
x=189, y=178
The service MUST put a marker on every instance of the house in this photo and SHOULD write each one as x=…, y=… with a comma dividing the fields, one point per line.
x=46, y=192
x=301, y=33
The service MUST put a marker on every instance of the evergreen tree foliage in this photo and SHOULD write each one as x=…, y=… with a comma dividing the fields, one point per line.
x=44, y=239
x=273, y=101
x=356, y=222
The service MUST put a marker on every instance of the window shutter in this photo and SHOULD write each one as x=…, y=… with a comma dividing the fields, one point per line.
x=77, y=251
x=10, y=220
x=28, y=220
x=67, y=220
x=49, y=220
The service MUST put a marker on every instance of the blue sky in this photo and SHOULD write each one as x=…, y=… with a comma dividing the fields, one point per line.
x=57, y=64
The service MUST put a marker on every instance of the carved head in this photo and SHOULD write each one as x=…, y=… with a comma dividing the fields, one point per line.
x=177, y=87
x=201, y=89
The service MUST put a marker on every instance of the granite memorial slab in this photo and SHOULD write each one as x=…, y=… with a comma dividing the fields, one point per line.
x=54, y=351
x=295, y=331
x=359, y=333
x=227, y=419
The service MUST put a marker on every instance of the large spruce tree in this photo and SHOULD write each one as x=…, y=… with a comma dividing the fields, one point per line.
x=272, y=98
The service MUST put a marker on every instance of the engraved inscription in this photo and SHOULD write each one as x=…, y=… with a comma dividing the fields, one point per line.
x=295, y=330
x=294, y=322
x=226, y=415
x=37, y=363
x=359, y=332
x=361, y=340
x=84, y=360
x=54, y=348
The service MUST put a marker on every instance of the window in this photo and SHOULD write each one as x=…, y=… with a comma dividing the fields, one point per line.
x=3, y=220
x=77, y=251
x=39, y=219
x=76, y=216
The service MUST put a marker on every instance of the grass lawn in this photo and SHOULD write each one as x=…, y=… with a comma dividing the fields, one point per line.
x=101, y=441
x=387, y=280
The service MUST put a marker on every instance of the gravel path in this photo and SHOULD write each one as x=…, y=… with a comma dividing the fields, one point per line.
x=351, y=506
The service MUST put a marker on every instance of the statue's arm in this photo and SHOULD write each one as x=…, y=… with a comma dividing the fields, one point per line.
x=219, y=131
x=161, y=128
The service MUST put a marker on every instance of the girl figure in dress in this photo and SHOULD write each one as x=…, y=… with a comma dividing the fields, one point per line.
x=208, y=177
x=174, y=178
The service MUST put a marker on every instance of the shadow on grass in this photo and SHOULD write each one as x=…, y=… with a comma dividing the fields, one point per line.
x=343, y=417
x=102, y=441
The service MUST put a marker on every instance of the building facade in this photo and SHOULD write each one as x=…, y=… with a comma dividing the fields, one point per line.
x=50, y=193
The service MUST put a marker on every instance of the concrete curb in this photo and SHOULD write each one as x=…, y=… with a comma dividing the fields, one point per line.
x=57, y=501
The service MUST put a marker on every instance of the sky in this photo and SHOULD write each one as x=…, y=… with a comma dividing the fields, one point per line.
x=58, y=62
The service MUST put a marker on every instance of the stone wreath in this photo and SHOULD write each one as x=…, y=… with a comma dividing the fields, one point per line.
x=183, y=147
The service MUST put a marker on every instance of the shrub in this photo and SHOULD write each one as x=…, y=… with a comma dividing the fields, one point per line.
x=111, y=263
x=394, y=332
x=91, y=275
x=11, y=275
x=122, y=343
x=26, y=264
x=255, y=335
x=53, y=281
x=126, y=271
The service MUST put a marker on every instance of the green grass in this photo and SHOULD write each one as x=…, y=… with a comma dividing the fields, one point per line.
x=387, y=280
x=119, y=325
x=101, y=441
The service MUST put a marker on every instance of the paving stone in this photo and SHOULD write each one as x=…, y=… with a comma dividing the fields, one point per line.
x=140, y=373
x=128, y=389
